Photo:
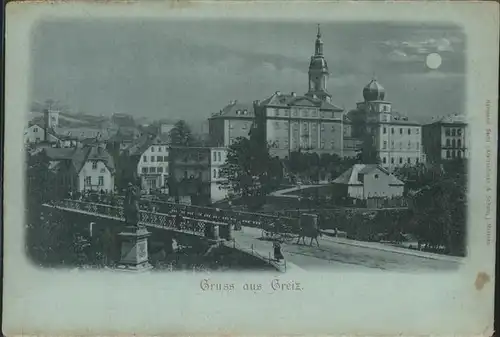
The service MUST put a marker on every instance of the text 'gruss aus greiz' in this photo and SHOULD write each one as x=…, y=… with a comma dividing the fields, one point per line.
x=274, y=285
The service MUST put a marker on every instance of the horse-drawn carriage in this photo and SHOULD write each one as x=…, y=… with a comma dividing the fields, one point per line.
x=285, y=229
x=309, y=227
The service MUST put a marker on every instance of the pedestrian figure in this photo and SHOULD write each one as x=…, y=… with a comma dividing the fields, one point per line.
x=278, y=256
x=237, y=225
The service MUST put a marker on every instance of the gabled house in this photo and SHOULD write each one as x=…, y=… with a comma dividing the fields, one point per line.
x=90, y=168
x=368, y=181
x=37, y=134
x=152, y=161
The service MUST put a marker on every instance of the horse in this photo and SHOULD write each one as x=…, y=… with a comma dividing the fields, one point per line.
x=310, y=230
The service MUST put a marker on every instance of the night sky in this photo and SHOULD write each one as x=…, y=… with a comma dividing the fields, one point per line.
x=190, y=69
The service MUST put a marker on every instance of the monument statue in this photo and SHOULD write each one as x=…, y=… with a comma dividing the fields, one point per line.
x=134, y=237
x=131, y=205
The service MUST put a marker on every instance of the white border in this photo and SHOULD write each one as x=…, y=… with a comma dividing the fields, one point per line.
x=104, y=303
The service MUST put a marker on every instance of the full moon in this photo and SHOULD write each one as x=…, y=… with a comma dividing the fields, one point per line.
x=433, y=60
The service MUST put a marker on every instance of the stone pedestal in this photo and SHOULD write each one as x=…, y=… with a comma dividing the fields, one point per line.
x=134, y=249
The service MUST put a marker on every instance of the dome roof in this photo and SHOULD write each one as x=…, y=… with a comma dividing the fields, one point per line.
x=373, y=91
x=318, y=63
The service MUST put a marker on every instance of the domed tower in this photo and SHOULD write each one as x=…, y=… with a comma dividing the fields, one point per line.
x=373, y=91
x=318, y=71
x=374, y=99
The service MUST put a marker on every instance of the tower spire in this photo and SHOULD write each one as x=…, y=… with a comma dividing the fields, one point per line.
x=318, y=70
x=318, y=50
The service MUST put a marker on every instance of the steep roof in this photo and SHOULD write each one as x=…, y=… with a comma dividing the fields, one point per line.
x=450, y=119
x=78, y=156
x=98, y=153
x=59, y=153
x=163, y=138
x=83, y=132
x=285, y=100
x=236, y=109
x=39, y=120
x=50, y=131
x=350, y=177
x=139, y=147
x=399, y=118
x=359, y=115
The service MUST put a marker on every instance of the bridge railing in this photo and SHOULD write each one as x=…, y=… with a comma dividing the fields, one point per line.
x=91, y=207
x=193, y=225
x=249, y=219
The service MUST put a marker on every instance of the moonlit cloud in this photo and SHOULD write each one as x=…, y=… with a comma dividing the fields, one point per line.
x=411, y=47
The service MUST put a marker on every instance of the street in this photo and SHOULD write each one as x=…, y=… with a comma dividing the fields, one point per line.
x=339, y=256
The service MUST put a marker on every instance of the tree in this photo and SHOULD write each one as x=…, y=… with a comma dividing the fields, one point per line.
x=250, y=171
x=41, y=181
x=53, y=241
x=367, y=154
x=181, y=134
x=440, y=213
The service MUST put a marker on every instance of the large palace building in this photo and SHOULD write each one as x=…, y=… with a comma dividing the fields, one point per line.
x=309, y=122
x=396, y=139
x=312, y=122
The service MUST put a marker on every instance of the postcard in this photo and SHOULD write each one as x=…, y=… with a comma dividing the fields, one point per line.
x=250, y=168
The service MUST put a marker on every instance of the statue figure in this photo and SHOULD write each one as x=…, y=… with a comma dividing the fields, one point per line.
x=131, y=205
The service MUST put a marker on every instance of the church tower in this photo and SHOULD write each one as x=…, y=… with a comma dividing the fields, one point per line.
x=318, y=71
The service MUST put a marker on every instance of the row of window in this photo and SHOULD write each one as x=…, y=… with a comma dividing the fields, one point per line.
x=453, y=154
x=416, y=130
x=453, y=131
x=100, y=181
x=400, y=145
x=152, y=169
x=453, y=143
x=305, y=126
x=277, y=143
x=400, y=160
x=217, y=156
x=152, y=159
x=303, y=112
x=158, y=148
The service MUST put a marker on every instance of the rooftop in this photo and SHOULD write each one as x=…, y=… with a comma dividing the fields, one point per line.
x=78, y=156
x=350, y=177
x=450, y=119
x=236, y=109
x=285, y=100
